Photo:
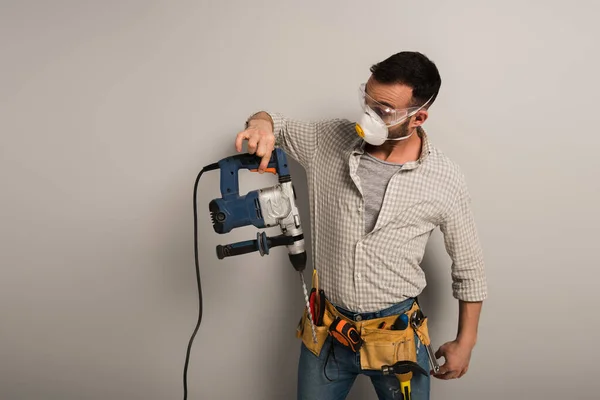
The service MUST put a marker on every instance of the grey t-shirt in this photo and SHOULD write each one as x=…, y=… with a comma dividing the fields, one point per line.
x=375, y=175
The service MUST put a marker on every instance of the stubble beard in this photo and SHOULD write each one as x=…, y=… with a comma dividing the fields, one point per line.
x=400, y=131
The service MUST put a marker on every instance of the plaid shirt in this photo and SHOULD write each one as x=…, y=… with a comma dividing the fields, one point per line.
x=366, y=272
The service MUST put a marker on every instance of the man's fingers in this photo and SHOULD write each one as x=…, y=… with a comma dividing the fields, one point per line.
x=259, y=144
x=451, y=375
x=445, y=376
x=443, y=370
x=239, y=140
x=440, y=352
x=263, y=148
x=252, y=143
x=264, y=163
x=446, y=372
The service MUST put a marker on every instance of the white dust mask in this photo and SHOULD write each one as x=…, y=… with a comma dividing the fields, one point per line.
x=377, y=118
x=373, y=130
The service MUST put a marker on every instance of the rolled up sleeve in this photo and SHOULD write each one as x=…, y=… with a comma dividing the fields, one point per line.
x=463, y=245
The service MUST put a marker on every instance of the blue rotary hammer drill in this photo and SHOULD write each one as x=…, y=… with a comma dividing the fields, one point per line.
x=263, y=208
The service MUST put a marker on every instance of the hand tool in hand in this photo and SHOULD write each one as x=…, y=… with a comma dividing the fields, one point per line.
x=416, y=320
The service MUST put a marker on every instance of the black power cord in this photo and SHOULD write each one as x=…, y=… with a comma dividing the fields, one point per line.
x=209, y=167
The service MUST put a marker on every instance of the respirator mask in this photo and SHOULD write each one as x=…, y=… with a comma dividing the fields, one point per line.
x=376, y=119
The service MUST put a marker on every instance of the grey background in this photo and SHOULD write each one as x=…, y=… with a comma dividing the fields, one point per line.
x=109, y=109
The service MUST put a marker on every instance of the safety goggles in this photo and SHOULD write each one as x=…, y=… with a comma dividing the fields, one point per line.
x=389, y=116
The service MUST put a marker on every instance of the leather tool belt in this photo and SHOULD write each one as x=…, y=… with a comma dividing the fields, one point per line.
x=380, y=346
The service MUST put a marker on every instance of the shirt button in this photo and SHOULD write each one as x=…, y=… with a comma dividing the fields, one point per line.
x=358, y=276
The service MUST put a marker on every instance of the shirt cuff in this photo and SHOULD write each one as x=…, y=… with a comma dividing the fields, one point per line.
x=471, y=290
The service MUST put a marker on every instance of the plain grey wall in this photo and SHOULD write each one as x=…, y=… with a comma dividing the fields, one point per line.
x=109, y=109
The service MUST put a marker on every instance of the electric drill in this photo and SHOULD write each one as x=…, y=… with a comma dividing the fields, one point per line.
x=262, y=208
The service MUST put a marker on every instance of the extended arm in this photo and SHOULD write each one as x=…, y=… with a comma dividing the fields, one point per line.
x=469, y=284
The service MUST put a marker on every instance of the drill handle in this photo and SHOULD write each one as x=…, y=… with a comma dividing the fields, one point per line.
x=244, y=247
x=231, y=165
x=262, y=244
x=236, y=249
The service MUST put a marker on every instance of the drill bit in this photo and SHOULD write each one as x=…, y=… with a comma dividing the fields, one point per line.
x=312, y=325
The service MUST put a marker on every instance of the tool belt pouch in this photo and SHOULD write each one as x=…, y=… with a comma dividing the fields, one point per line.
x=385, y=346
x=304, y=332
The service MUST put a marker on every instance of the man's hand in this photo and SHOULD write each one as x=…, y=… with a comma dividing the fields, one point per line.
x=261, y=140
x=458, y=352
x=457, y=355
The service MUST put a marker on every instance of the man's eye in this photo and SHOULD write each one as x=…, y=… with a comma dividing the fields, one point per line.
x=379, y=111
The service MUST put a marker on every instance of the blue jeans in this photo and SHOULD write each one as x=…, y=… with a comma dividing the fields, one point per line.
x=331, y=375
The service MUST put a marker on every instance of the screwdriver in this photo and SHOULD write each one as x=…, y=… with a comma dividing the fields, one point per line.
x=401, y=323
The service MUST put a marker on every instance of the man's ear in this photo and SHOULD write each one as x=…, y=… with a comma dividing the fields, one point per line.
x=419, y=118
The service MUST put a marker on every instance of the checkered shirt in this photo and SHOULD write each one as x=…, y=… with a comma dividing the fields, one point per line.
x=366, y=272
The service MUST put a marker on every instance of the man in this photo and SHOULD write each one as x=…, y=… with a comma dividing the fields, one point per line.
x=377, y=190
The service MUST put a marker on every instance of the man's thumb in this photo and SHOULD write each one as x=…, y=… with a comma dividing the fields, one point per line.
x=440, y=352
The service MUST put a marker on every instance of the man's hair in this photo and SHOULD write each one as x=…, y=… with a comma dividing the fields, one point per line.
x=412, y=69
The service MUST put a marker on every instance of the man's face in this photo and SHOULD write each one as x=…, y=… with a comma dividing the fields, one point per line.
x=396, y=96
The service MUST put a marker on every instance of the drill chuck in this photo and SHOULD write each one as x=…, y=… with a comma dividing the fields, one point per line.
x=298, y=261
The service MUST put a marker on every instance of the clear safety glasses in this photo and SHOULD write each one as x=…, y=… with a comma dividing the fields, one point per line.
x=388, y=115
